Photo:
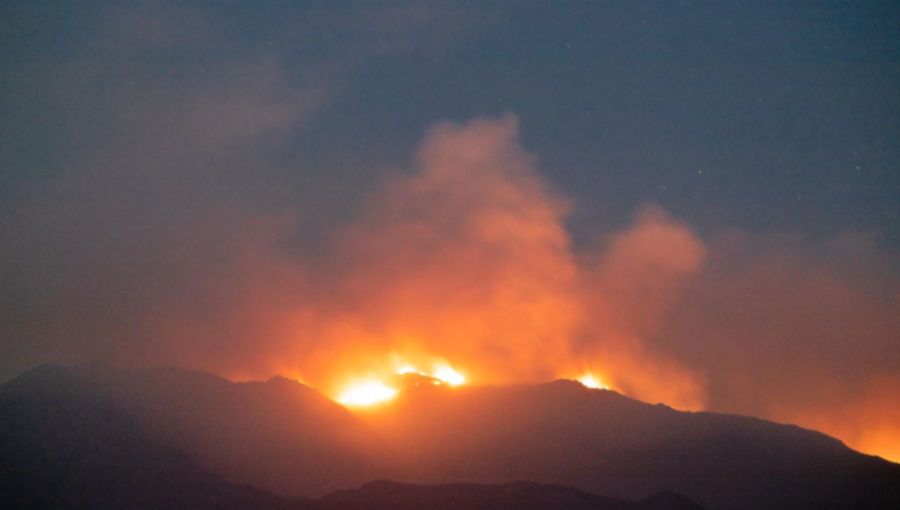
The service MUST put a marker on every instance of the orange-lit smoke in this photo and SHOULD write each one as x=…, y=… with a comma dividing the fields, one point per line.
x=465, y=262
x=468, y=260
x=629, y=281
x=797, y=330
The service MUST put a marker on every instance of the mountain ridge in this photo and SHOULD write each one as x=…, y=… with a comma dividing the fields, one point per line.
x=65, y=445
x=285, y=437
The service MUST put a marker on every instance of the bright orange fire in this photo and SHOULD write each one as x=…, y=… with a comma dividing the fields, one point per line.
x=442, y=371
x=449, y=376
x=407, y=369
x=592, y=382
x=373, y=391
x=366, y=393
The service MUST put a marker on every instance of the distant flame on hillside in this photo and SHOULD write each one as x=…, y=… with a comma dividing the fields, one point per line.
x=371, y=392
x=449, y=376
x=366, y=393
x=589, y=381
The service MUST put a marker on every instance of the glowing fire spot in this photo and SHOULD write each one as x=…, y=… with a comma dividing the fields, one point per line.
x=409, y=370
x=449, y=376
x=591, y=382
x=443, y=373
x=367, y=394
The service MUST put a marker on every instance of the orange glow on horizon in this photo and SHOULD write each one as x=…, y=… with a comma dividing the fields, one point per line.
x=883, y=442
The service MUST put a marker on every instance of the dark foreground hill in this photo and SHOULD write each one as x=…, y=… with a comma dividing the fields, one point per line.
x=278, y=435
x=284, y=437
x=65, y=445
x=62, y=445
x=514, y=496
x=603, y=442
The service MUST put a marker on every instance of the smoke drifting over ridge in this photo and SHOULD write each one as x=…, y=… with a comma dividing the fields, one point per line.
x=466, y=260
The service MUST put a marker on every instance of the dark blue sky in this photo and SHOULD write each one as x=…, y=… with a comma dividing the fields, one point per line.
x=760, y=115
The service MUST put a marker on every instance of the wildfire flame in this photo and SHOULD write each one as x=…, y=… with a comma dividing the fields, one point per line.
x=372, y=391
x=589, y=381
x=367, y=393
x=443, y=372
x=449, y=376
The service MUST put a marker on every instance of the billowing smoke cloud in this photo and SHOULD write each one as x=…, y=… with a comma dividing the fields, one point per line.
x=630, y=280
x=464, y=261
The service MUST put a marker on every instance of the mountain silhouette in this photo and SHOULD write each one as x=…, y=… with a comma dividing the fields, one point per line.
x=62, y=445
x=514, y=496
x=278, y=435
x=286, y=438
x=603, y=442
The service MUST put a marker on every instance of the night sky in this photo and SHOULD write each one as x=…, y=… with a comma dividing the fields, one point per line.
x=696, y=200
